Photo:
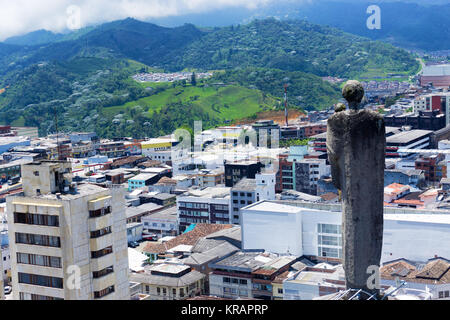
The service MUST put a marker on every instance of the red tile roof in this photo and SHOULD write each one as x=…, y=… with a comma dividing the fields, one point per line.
x=435, y=271
x=189, y=238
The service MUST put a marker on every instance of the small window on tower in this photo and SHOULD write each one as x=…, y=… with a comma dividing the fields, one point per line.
x=36, y=173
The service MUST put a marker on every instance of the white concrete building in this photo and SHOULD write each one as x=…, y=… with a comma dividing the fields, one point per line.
x=265, y=186
x=66, y=241
x=162, y=149
x=311, y=283
x=315, y=230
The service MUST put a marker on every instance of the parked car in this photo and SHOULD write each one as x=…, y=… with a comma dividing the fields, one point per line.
x=133, y=244
x=8, y=289
x=150, y=237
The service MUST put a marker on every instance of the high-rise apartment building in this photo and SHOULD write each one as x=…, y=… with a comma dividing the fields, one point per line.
x=67, y=241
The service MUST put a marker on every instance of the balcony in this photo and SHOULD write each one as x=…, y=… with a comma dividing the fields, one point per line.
x=100, y=222
x=101, y=242
x=101, y=263
x=106, y=281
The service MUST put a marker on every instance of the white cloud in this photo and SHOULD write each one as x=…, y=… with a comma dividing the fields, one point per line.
x=22, y=16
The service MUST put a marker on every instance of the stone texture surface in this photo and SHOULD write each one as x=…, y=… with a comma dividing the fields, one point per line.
x=356, y=149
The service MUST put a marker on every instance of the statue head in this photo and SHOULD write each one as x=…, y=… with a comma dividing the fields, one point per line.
x=353, y=92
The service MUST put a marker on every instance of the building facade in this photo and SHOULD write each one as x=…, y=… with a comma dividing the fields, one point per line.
x=210, y=205
x=66, y=242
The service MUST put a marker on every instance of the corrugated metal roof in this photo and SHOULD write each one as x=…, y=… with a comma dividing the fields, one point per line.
x=436, y=70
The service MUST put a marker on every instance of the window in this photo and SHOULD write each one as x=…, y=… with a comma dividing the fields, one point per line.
x=36, y=219
x=39, y=280
x=100, y=233
x=101, y=253
x=242, y=281
x=30, y=296
x=36, y=173
x=280, y=290
x=226, y=280
x=158, y=291
x=38, y=260
x=330, y=252
x=38, y=240
x=243, y=292
x=329, y=228
x=235, y=281
x=104, y=292
x=100, y=212
x=330, y=241
x=102, y=273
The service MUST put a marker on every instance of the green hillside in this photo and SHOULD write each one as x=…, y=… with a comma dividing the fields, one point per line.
x=305, y=91
x=218, y=104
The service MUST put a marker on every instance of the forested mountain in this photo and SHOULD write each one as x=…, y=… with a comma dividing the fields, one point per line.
x=286, y=45
x=294, y=46
x=412, y=24
x=80, y=77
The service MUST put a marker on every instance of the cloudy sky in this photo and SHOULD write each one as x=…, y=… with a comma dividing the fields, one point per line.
x=21, y=16
x=18, y=17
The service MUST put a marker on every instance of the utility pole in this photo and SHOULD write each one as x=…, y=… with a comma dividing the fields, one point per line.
x=57, y=136
x=285, y=104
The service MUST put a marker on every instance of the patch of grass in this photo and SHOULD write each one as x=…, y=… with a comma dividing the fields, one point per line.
x=222, y=103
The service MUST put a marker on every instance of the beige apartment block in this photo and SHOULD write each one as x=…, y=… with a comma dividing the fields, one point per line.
x=2, y=291
x=67, y=241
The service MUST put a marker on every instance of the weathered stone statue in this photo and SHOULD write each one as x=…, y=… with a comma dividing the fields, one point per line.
x=356, y=145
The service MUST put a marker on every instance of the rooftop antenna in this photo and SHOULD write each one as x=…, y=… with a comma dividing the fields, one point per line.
x=285, y=104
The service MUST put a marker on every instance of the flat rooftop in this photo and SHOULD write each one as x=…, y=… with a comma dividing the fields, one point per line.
x=272, y=207
x=245, y=184
x=436, y=70
x=244, y=260
x=169, y=268
x=210, y=192
x=166, y=214
x=408, y=136
x=143, y=208
x=144, y=176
